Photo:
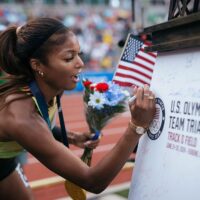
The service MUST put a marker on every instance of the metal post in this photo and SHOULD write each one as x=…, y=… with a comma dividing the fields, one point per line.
x=133, y=10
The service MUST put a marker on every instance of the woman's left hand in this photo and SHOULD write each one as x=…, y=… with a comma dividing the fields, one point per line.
x=83, y=140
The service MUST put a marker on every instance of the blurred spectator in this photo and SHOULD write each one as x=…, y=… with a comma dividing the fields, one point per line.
x=98, y=31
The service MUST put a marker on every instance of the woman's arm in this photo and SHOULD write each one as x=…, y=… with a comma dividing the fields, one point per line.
x=81, y=140
x=57, y=133
x=31, y=131
x=62, y=161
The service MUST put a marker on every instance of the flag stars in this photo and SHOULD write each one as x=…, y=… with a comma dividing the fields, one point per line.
x=131, y=50
x=135, y=66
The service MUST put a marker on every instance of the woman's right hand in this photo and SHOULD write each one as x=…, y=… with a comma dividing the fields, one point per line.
x=143, y=108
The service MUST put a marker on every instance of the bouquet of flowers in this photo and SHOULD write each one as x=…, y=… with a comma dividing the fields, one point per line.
x=102, y=101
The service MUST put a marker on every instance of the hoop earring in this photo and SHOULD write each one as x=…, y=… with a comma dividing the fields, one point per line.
x=41, y=73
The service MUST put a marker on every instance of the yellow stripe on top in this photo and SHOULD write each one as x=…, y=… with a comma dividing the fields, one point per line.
x=51, y=109
x=11, y=149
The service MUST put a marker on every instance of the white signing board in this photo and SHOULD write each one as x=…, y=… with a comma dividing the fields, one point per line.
x=168, y=158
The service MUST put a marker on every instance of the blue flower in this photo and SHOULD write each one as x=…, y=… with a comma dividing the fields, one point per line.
x=115, y=94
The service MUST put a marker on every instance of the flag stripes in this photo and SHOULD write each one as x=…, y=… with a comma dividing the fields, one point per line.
x=122, y=68
x=135, y=66
x=149, y=53
x=133, y=77
x=128, y=82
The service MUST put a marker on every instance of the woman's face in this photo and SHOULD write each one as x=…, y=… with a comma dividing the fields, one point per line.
x=64, y=65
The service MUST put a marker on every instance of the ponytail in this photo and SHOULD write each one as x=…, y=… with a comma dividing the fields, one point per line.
x=13, y=70
x=9, y=60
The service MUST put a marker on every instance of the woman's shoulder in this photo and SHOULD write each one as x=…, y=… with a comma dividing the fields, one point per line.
x=19, y=104
x=16, y=109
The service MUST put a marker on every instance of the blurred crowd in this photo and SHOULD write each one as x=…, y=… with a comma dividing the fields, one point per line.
x=98, y=32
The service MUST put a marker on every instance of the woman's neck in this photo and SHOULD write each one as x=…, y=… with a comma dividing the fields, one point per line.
x=48, y=92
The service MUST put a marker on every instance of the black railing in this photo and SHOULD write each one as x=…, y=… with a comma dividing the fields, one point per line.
x=179, y=8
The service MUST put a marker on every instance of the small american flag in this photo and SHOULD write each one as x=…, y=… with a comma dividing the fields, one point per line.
x=135, y=67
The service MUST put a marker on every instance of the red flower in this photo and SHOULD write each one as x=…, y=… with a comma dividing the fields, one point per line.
x=92, y=87
x=102, y=87
x=87, y=83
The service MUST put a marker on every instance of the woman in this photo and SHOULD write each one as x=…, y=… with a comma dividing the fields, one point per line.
x=46, y=53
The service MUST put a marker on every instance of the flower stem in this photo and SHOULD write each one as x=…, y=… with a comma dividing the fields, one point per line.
x=87, y=156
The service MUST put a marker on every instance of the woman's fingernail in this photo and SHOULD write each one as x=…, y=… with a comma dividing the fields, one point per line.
x=92, y=135
x=86, y=143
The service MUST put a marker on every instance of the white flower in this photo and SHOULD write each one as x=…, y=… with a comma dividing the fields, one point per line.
x=97, y=100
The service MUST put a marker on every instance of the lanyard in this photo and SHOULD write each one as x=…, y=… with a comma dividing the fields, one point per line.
x=62, y=122
x=44, y=109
